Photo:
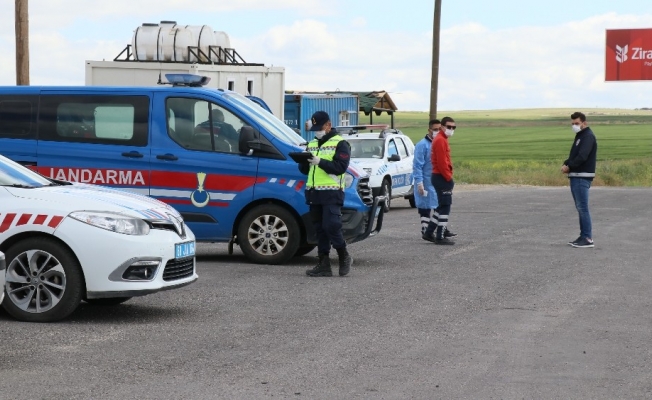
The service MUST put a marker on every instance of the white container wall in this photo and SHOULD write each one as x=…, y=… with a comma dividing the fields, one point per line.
x=268, y=83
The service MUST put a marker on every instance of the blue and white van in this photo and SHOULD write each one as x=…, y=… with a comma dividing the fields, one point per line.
x=220, y=159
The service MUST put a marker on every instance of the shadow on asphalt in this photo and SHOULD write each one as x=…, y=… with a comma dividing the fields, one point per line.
x=120, y=314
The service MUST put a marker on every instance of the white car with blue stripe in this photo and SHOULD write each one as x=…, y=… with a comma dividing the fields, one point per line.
x=67, y=242
x=386, y=155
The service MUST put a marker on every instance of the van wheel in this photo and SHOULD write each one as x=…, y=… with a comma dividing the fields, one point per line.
x=386, y=190
x=269, y=234
x=44, y=281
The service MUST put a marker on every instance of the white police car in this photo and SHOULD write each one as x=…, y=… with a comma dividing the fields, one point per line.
x=386, y=155
x=65, y=242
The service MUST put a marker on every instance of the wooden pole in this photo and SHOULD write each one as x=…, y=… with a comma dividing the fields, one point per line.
x=22, y=43
x=434, y=78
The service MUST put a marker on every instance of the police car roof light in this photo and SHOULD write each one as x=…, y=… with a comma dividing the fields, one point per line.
x=385, y=132
x=187, y=80
x=362, y=127
x=353, y=129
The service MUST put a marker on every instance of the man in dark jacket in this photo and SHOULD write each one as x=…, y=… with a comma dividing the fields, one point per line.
x=580, y=167
x=325, y=192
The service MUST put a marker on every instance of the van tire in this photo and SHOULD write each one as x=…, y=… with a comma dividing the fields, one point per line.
x=269, y=234
x=57, y=284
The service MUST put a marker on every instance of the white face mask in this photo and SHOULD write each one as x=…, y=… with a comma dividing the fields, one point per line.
x=576, y=128
x=320, y=134
x=449, y=132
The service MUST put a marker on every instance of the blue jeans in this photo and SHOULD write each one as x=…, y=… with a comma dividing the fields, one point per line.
x=580, y=191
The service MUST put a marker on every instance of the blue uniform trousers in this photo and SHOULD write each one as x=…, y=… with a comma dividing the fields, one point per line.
x=444, y=191
x=327, y=220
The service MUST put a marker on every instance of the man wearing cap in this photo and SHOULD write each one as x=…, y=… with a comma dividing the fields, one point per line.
x=325, y=192
x=442, y=180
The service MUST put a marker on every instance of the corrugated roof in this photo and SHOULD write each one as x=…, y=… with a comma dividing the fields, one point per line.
x=378, y=101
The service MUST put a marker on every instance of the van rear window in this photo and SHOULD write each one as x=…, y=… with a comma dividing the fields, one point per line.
x=95, y=119
x=17, y=117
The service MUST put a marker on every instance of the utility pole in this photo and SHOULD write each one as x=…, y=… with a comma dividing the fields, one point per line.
x=22, y=43
x=434, y=79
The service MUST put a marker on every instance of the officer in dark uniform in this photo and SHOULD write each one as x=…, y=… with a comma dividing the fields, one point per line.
x=325, y=192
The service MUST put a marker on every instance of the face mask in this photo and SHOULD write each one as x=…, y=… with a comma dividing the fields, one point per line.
x=320, y=134
x=449, y=132
x=576, y=128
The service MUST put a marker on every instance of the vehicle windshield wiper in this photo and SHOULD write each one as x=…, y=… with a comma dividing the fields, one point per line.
x=18, y=185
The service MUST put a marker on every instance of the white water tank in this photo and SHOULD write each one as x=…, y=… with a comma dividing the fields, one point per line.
x=169, y=42
x=203, y=36
x=222, y=40
x=175, y=42
x=146, y=42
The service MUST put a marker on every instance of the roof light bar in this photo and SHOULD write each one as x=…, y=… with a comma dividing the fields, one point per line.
x=187, y=80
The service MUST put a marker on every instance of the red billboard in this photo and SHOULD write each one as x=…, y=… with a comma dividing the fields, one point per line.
x=629, y=55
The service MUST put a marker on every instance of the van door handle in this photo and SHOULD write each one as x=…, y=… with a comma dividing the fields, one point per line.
x=168, y=157
x=132, y=154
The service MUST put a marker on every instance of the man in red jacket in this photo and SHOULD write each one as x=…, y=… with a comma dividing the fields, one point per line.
x=442, y=180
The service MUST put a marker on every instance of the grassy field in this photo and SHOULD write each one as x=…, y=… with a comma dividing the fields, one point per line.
x=528, y=146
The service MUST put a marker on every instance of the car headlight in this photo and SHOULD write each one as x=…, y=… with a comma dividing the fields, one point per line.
x=112, y=222
x=367, y=170
x=348, y=180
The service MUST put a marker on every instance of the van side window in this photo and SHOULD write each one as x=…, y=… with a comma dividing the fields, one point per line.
x=200, y=125
x=95, y=119
x=18, y=117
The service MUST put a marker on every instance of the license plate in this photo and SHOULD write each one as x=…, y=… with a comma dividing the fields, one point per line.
x=182, y=250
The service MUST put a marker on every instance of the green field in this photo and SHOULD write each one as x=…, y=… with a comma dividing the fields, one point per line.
x=528, y=146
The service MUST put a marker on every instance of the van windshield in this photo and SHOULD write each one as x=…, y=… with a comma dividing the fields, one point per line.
x=266, y=119
x=15, y=175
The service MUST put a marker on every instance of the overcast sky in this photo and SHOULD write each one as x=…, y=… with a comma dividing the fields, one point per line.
x=494, y=54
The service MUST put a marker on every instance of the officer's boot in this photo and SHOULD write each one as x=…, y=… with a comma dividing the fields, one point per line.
x=345, y=261
x=323, y=267
x=441, y=237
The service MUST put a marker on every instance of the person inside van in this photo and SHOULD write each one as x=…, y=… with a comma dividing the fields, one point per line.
x=220, y=128
x=226, y=137
x=77, y=123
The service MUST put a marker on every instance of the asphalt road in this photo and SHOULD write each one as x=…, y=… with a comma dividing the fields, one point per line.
x=511, y=311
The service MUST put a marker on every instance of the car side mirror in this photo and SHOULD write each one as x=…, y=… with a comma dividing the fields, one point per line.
x=394, y=157
x=247, y=134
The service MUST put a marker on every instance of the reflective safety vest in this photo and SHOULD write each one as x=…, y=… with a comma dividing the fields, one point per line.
x=318, y=179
